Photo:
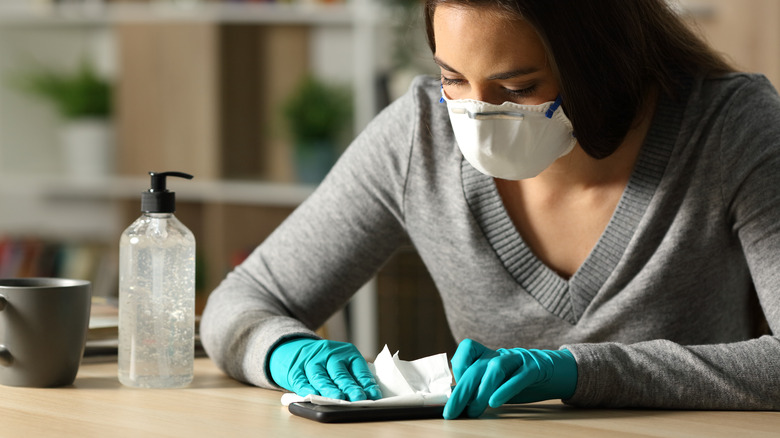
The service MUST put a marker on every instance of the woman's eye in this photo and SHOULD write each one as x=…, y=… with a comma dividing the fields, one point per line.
x=522, y=92
x=448, y=81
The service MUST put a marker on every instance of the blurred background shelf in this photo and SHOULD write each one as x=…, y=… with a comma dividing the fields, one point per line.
x=112, y=13
x=198, y=87
x=98, y=13
x=66, y=188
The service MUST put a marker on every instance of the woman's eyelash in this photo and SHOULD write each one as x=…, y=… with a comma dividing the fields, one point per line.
x=447, y=81
x=522, y=92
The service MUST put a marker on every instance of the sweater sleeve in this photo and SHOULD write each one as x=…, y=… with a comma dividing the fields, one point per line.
x=319, y=256
x=740, y=375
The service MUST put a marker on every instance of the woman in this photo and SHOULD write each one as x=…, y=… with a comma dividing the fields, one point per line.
x=595, y=194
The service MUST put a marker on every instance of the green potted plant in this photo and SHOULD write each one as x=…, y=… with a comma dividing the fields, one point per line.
x=84, y=101
x=319, y=116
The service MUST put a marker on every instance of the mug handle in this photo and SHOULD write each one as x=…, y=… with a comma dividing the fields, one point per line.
x=5, y=356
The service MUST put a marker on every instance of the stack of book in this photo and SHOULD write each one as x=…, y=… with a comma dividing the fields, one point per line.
x=103, y=334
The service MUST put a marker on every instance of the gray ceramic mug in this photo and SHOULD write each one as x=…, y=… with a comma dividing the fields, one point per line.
x=43, y=330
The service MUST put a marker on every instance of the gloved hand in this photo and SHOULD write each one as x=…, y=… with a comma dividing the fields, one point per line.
x=485, y=377
x=321, y=367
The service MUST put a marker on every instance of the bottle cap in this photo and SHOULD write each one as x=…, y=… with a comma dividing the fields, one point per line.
x=158, y=199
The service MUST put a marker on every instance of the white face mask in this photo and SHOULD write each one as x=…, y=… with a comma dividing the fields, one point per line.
x=510, y=141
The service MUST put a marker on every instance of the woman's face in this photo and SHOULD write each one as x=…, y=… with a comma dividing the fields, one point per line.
x=485, y=56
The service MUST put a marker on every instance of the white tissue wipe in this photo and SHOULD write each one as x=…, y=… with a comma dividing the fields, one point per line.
x=398, y=377
x=393, y=377
x=425, y=381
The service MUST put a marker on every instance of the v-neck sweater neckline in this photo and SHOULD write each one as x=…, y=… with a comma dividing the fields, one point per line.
x=568, y=299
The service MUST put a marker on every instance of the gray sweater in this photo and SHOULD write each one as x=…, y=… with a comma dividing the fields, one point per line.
x=666, y=311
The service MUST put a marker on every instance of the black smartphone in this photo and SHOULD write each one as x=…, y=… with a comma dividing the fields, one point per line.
x=351, y=414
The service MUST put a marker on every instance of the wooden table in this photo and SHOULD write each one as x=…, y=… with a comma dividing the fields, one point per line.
x=215, y=406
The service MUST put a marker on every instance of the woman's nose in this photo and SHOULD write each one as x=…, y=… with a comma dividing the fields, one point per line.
x=485, y=95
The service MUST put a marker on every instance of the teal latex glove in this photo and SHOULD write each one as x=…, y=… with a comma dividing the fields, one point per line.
x=486, y=377
x=321, y=367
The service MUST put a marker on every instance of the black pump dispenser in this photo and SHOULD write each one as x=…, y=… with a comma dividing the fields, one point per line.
x=158, y=199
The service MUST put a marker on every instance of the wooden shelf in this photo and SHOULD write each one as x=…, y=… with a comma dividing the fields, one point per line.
x=238, y=13
x=64, y=188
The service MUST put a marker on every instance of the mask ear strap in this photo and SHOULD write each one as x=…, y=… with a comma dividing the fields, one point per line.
x=441, y=99
x=553, y=107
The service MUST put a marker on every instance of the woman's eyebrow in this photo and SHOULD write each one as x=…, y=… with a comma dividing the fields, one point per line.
x=443, y=65
x=498, y=76
x=514, y=73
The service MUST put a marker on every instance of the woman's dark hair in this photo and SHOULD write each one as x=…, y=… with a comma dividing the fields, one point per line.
x=605, y=54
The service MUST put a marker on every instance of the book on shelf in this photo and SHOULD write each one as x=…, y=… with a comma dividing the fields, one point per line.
x=27, y=256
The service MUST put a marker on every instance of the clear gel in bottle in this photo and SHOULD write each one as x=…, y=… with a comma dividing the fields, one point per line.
x=157, y=293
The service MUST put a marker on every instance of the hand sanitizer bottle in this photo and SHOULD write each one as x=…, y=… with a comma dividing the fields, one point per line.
x=157, y=293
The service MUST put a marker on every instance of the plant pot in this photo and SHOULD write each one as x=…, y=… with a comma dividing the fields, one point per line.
x=313, y=160
x=88, y=147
